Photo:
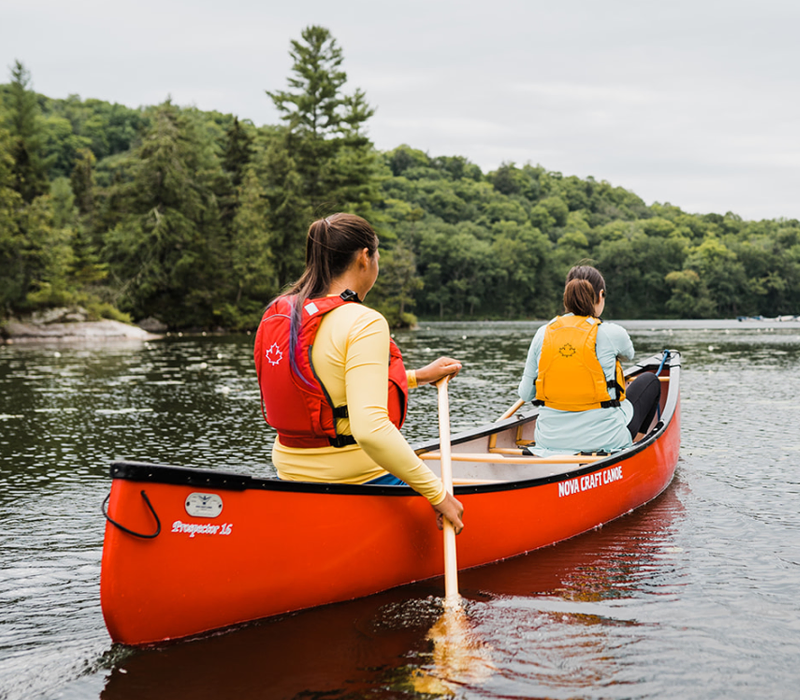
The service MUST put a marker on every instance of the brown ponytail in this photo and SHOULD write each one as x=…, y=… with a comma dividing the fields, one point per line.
x=331, y=245
x=582, y=290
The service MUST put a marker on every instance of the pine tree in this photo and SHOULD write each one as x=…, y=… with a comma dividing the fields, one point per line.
x=322, y=161
x=236, y=156
x=324, y=134
x=82, y=180
x=238, y=151
x=314, y=108
x=288, y=213
x=350, y=176
x=253, y=272
x=166, y=254
x=35, y=244
x=27, y=140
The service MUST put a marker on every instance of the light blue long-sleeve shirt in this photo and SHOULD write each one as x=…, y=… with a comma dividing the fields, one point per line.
x=568, y=432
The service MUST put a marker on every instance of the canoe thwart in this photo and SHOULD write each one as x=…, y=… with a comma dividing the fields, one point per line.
x=494, y=459
x=475, y=482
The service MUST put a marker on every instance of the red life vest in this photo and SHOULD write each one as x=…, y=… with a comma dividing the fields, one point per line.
x=295, y=401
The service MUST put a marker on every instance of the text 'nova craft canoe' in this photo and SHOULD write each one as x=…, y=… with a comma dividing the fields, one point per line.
x=188, y=550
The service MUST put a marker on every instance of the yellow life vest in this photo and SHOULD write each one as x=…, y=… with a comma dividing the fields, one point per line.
x=570, y=376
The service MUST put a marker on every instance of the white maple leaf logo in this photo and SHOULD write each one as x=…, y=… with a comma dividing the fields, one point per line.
x=274, y=354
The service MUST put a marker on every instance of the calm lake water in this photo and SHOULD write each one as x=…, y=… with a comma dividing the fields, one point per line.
x=696, y=595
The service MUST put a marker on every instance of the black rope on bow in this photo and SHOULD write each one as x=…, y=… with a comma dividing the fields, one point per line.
x=125, y=529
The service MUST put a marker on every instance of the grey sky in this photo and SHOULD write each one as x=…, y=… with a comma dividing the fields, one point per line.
x=696, y=103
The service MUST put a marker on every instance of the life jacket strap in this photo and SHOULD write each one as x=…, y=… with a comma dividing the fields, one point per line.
x=342, y=441
x=309, y=442
x=613, y=403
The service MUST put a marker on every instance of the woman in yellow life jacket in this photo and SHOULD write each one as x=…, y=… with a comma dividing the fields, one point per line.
x=332, y=381
x=573, y=373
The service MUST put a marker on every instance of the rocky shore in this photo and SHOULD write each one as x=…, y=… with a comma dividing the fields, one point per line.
x=68, y=325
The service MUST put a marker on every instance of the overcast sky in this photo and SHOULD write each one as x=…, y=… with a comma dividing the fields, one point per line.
x=692, y=102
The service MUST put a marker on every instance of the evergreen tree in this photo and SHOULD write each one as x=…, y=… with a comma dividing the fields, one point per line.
x=325, y=127
x=253, y=272
x=236, y=156
x=315, y=106
x=238, y=151
x=11, y=239
x=83, y=180
x=24, y=122
x=35, y=241
x=84, y=269
x=165, y=255
x=287, y=213
x=351, y=176
x=46, y=223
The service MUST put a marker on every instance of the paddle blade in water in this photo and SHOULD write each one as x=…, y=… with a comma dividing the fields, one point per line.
x=460, y=657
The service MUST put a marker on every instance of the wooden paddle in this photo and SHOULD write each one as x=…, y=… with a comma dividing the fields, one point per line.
x=459, y=656
x=451, y=597
x=511, y=411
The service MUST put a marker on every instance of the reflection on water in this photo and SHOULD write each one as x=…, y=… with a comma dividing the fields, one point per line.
x=693, y=596
x=459, y=656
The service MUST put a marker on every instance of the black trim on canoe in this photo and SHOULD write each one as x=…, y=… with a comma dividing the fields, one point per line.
x=220, y=480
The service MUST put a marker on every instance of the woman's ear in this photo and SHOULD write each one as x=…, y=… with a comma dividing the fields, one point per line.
x=364, y=258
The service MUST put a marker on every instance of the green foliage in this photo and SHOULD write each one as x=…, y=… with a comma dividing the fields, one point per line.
x=251, y=256
x=324, y=126
x=82, y=180
x=168, y=249
x=12, y=239
x=238, y=150
x=321, y=161
x=24, y=122
x=396, y=286
x=288, y=212
x=200, y=218
x=690, y=297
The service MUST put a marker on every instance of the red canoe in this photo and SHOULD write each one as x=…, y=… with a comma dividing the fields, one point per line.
x=187, y=551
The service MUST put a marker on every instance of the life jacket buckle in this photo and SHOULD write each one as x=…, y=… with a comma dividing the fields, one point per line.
x=342, y=441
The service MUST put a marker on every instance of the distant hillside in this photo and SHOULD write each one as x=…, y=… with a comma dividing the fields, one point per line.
x=198, y=218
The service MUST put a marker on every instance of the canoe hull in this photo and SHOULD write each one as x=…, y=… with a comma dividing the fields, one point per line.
x=277, y=547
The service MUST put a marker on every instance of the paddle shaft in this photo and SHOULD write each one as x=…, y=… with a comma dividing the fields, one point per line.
x=511, y=411
x=450, y=564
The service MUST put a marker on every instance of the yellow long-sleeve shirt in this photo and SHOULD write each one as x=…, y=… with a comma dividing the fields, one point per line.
x=350, y=356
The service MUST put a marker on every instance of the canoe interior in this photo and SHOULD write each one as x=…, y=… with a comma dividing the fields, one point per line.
x=498, y=447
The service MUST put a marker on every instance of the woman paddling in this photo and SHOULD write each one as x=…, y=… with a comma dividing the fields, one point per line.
x=332, y=381
x=573, y=372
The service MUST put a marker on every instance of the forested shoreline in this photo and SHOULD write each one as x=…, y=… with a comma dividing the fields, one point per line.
x=197, y=219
